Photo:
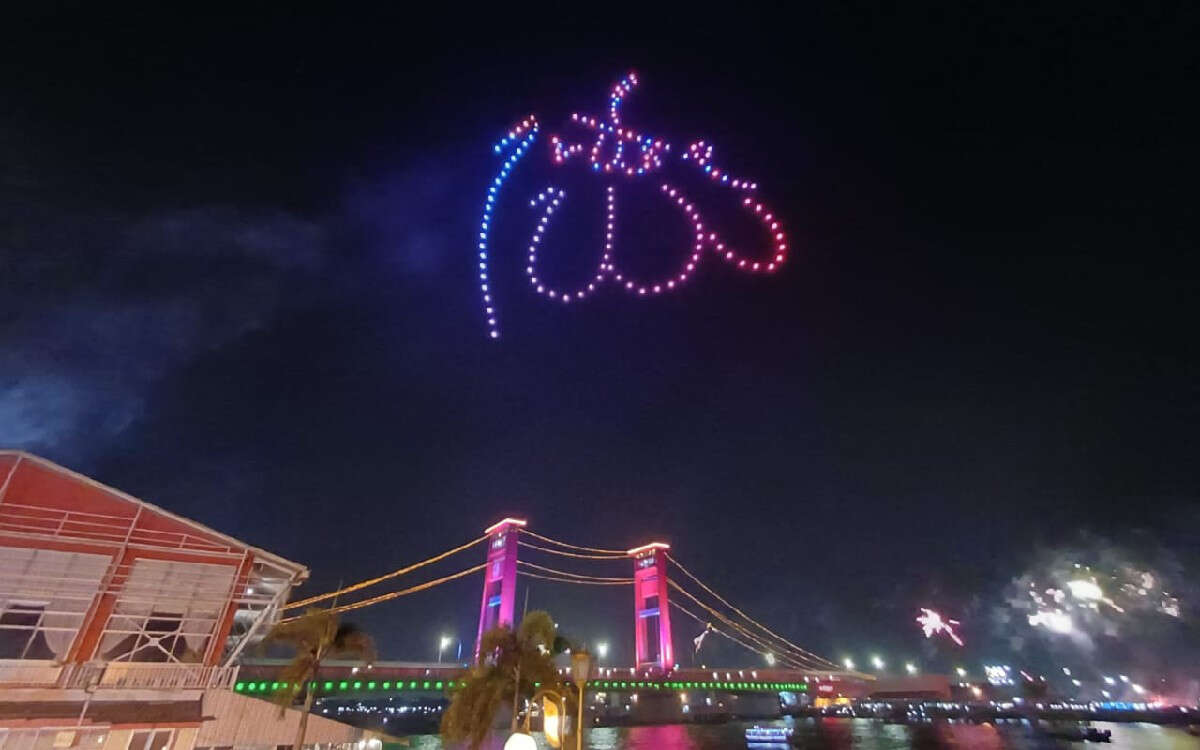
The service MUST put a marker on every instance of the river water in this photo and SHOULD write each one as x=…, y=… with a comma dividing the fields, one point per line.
x=858, y=734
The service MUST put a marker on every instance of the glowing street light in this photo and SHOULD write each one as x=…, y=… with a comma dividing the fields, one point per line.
x=910, y=668
x=849, y=663
x=877, y=662
x=602, y=649
x=443, y=644
x=960, y=671
x=770, y=659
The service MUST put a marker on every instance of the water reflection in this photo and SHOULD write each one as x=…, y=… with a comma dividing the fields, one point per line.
x=855, y=734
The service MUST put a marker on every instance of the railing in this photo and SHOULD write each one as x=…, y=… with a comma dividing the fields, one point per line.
x=113, y=675
x=27, y=672
x=170, y=676
x=56, y=522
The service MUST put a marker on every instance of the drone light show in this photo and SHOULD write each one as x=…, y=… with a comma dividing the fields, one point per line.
x=621, y=157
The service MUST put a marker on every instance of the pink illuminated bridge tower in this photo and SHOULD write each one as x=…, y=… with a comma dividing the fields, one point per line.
x=499, y=578
x=652, y=619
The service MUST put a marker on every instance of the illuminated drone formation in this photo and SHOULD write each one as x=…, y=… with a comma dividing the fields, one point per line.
x=617, y=153
x=933, y=623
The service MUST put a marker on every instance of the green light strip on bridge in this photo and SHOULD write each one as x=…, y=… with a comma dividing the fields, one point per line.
x=345, y=685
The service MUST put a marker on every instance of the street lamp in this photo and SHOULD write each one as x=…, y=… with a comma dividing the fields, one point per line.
x=520, y=741
x=910, y=668
x=602, y=649
x=581, y=664
x=877, y=662
x=770, y=660
x=443, y=644
x=849, y=663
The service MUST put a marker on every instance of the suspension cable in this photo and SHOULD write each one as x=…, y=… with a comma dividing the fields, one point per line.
x=573, y=554
x=536, y=535
x=735, y=639
x=387, y=576
x=794, y=647
x=403, y=592
x=784, y=655
x=544, y=569
x=718, y=631
x=572, y=580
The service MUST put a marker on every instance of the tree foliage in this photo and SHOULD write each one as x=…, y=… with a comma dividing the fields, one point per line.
x=510, y=664
x=313, y=637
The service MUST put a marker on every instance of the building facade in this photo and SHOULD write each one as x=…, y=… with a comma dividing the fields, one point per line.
x=121, y=623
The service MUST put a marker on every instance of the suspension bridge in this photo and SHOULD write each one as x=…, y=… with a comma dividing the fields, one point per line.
x=660, y=584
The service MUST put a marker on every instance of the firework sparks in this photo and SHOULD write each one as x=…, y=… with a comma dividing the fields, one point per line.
x=933, y=623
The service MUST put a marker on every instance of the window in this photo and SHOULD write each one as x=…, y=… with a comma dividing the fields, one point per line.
x=157, y=640
x=167, y=611
x=154, y=739
x=44, y=595
x=21, y=636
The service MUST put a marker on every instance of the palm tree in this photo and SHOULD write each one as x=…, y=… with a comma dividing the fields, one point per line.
x=510, y=664
x=314, y=636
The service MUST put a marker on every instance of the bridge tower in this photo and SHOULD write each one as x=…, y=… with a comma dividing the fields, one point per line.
x=651, y=613
x=499, y=577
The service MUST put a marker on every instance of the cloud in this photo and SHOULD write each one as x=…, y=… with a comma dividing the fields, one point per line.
x=95, y=309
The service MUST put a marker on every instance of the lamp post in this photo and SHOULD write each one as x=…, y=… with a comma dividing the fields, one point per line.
x=581, y=664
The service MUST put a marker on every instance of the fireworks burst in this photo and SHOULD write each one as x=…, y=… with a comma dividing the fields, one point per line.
x=933, y=623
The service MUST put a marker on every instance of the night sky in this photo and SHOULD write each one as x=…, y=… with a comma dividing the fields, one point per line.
x=237, y=280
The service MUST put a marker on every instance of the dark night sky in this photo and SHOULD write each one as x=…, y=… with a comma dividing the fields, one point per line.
x=236, y=280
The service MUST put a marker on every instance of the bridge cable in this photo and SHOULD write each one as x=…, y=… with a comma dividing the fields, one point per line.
x=782, y=654
x=621, y=556
x=397, y=594
x=724, y=601
x=393, y=574
x=718, y=631
x=569, y=580
x=613, y=552
x=544, y=569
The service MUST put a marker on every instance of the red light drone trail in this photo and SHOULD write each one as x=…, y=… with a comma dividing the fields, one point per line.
x=933, y=623
x=619, y=152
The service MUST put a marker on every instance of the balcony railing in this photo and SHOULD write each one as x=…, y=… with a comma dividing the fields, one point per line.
x=114, y=675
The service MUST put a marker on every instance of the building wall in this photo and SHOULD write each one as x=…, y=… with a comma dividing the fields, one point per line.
x=242, y=721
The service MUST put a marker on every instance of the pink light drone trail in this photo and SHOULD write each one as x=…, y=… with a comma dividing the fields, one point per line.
x=933, y=623
x=619, y=153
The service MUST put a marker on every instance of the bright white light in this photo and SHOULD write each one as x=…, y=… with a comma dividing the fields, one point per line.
x=1124, y=678
x=1138, y=688
x=771, y=659
x=849, y=663
x=445, y=642
x=520, y=741
x=1106, y=694
x=1076, y=683
x=1066, y=671
x=961, y=672
x=877, y=662
x=1054, y=620
x=602, y=649
x=910, y=668
x=1085, y=590
x=1109, y=681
